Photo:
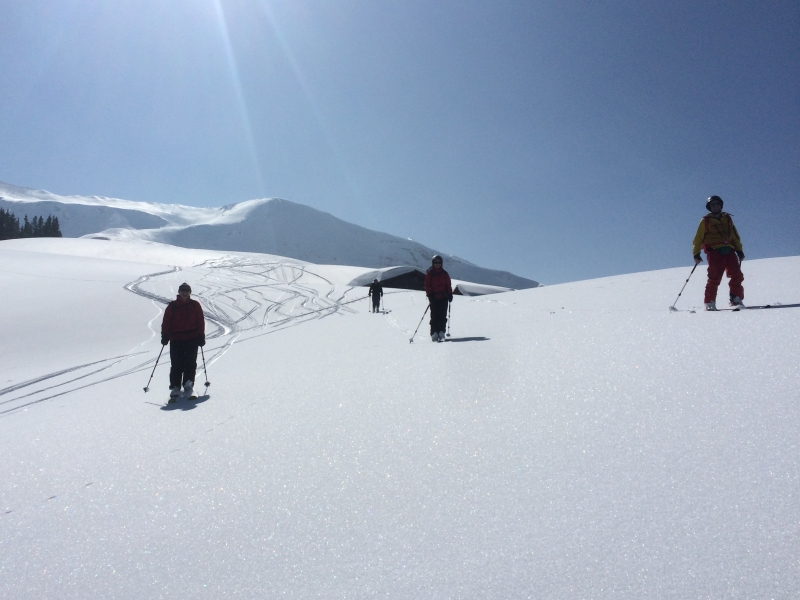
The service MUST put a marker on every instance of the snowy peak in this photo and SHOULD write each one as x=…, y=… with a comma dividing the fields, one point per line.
x=267, y=225
x=171, y=214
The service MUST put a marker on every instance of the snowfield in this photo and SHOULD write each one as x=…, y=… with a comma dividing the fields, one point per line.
x=570, y=441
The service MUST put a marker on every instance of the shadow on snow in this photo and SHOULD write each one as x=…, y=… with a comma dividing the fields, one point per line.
x=187, y=404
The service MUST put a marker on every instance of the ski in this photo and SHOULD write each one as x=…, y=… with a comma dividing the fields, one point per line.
x=773, y=306
x=760, y=307
x=736, y=308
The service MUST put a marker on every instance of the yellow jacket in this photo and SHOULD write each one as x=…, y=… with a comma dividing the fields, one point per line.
x=715, y=233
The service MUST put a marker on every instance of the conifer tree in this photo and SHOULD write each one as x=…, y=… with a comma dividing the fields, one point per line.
x=9, y=225
x=37, y=227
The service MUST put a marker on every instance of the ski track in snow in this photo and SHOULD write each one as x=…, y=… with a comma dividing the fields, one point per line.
x=241, y=297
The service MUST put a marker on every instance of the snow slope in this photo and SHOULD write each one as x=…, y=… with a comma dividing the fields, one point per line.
x=572, y=441
x=270, y=226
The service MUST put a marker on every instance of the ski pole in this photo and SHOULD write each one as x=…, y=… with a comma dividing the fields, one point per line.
x=147, y=387
x=205, y=371
x=449, y=304
x=672, y=308
x=420, y=323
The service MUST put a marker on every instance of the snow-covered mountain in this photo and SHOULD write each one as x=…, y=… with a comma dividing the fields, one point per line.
x=269, y=226
x=571, y=441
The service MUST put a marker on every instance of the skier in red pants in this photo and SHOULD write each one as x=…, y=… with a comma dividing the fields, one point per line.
x=717, y=236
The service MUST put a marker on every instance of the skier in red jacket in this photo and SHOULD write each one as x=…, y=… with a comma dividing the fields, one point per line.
x=439, y=290
x=183, y=327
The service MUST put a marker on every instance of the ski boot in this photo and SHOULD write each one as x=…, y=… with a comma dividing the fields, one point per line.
x=712, y=306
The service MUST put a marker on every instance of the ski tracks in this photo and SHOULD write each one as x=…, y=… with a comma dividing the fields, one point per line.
x=242, y=298
x=42, y=388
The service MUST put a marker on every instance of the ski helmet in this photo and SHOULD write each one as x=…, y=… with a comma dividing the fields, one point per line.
x=712, y=199
x=435, y=258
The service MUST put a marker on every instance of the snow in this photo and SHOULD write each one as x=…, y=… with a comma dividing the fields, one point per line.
x=570, y=441
x=474, y=289
x=172, y=214
x=266, y=225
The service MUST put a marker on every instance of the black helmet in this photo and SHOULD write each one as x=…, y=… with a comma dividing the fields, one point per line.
x=713, y=198
x=435, y=258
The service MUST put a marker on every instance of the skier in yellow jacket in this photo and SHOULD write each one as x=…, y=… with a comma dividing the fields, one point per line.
x=717, y=236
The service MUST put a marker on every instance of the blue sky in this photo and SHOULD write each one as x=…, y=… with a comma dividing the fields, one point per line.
x=559, y=140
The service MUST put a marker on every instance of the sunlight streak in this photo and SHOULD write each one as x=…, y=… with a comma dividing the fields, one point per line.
x=237, y=82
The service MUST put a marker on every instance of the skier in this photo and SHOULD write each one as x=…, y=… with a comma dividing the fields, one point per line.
x=718, y=237
x=183, y=327
x=438, y=288
x=376, y=291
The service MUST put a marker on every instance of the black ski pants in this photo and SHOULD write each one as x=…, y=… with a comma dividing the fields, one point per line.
x=376, y=303
x=183, y=355
x=438, y=315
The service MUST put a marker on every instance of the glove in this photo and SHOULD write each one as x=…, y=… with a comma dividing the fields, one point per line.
x=164, y=340
x=740, y=254
x=450, y=299
x=697, y=259
x=202, y=341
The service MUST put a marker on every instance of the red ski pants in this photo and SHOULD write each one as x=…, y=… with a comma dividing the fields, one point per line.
x=719, y=264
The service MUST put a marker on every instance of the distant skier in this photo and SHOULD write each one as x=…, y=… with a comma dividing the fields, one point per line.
x=718, y=237
x=439, y=290
x=376, y=291
x=183, y=327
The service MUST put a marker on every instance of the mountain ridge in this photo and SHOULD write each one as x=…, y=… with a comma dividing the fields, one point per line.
x=266, y=225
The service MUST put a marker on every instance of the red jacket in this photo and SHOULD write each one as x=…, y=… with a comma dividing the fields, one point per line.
x=183, y=320
x=437, y=284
